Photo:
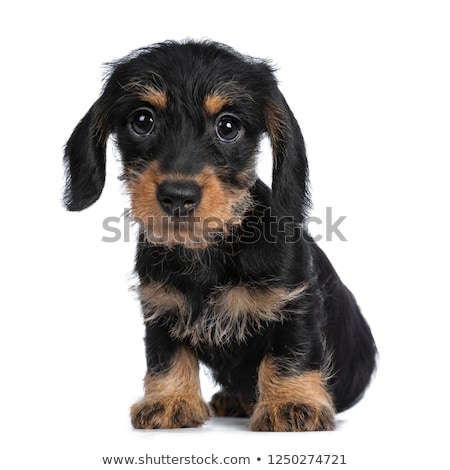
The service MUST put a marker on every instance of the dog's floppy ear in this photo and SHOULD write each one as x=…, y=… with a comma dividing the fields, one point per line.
x=290, y=165
x=84, y=159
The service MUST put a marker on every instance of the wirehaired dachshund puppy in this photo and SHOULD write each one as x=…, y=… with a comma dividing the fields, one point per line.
x=228, y=274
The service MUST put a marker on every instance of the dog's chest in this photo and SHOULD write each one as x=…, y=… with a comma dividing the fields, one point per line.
x=228, y=313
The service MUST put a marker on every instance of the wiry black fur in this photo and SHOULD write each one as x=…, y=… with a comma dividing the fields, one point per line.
x=321, y=330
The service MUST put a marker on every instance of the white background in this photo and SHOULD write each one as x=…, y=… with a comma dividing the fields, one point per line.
x=369, y=84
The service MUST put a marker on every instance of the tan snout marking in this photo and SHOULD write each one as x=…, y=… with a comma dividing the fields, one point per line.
x=220, y=207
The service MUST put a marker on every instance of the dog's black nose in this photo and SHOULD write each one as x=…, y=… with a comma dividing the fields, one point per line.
x=179, y=198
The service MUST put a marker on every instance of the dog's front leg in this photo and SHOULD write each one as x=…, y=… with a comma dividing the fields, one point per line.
x=172, y=395
x=291, y=400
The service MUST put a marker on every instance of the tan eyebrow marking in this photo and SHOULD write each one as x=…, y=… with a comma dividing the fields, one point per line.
x=215, y=102
x=156, y=97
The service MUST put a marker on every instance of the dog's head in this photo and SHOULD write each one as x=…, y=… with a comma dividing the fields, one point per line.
x=187, y=119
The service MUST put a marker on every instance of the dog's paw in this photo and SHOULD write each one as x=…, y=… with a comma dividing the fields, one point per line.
x=291, y=417
x=169, y=413
x=226, y=405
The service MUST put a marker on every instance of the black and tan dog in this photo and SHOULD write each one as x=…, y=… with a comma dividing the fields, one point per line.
x=228, y=275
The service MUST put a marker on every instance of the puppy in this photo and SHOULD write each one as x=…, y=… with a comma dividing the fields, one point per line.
x=228, y=274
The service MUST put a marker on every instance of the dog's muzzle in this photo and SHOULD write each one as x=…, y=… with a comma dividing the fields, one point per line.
x=179, y=198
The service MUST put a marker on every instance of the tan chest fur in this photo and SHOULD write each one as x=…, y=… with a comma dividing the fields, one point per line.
x=229, y=313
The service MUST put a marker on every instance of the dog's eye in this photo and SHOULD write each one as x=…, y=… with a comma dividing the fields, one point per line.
x=142, y=122
x=228, y=128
